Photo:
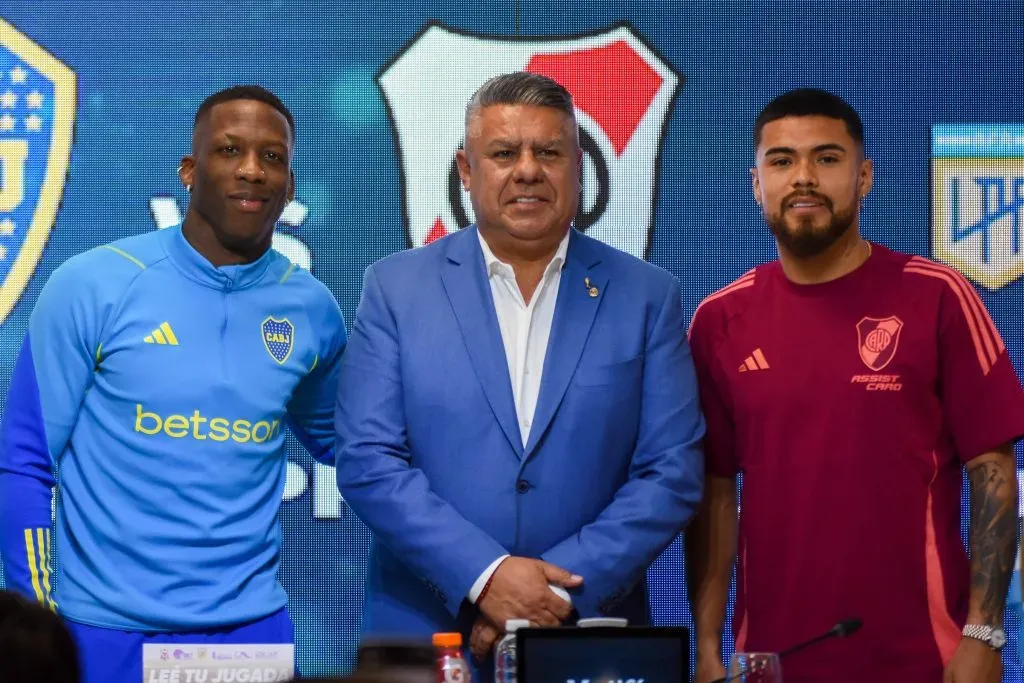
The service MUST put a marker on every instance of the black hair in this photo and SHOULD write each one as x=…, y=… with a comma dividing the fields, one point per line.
x=245, y=92
x=35, y=644
x=810, y=102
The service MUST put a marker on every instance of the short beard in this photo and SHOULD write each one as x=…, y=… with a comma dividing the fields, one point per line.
x=806, y=242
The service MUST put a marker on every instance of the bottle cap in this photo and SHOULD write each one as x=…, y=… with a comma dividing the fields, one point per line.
x=447, y=640
x=512, y=625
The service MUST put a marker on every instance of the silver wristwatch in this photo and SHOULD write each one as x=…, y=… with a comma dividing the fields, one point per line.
x=993, y=636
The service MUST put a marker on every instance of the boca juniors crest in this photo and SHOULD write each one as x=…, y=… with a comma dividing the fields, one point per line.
x=877, y=340
x=278, y=337
x=37, y=113
x=623, y=93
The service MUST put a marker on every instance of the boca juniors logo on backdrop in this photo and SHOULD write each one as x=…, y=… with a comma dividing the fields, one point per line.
x=978, y=201
x=623, y=93
x=37, y=112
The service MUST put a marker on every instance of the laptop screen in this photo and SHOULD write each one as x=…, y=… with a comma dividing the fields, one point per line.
x=603, y=655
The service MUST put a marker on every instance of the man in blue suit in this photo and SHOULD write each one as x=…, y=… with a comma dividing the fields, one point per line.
x=518, y=421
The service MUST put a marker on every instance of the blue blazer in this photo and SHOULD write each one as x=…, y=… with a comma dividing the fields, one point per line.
x=429, y=453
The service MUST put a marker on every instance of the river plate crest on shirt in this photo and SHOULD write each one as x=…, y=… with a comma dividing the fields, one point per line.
x=877, y=340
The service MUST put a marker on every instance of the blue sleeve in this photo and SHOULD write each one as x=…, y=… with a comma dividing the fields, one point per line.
x=666, y=476
x=52, y=374
x=311, y=409
x=391, y=497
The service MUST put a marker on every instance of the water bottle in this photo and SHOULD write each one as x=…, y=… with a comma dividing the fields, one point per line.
x=451, y=663
x=505, y=652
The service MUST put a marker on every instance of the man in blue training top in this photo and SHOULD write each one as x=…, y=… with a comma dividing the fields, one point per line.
x=156, y=381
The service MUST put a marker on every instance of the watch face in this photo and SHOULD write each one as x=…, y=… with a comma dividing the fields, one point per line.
x=998, y=638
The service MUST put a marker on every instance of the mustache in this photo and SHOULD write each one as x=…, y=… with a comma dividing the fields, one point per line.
x=805, y=194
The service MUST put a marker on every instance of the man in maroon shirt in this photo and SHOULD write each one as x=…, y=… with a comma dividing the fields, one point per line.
x=850, y=385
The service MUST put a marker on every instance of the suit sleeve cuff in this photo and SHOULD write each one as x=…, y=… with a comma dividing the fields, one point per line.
x=478, y=585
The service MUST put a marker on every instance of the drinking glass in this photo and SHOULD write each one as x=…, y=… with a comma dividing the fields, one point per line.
x=755, y=667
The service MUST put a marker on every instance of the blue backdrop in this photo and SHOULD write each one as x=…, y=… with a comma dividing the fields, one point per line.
x=684, y=79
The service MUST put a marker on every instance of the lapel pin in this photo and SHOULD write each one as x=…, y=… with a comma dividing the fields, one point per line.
x=591, y=290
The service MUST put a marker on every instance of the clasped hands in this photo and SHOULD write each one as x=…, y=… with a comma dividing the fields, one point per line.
x=520, y=588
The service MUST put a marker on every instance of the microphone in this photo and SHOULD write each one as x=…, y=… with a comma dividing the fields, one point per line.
x=842, y=629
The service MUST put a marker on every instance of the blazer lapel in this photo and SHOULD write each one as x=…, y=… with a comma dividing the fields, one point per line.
x=465, y=280
x=580, y=291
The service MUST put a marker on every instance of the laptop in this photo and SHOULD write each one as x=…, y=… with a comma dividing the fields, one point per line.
x=636, y=654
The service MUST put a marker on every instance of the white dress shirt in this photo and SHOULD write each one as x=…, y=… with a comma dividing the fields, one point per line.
x=525, y=329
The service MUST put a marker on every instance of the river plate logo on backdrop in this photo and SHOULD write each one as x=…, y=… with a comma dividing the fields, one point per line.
x=978, y=200
x=623, y=93
x=37, y=114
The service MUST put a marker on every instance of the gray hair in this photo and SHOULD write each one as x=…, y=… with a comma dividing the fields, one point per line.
x=521, y=87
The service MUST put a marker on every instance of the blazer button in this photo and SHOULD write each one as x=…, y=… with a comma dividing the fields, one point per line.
x=522, y=486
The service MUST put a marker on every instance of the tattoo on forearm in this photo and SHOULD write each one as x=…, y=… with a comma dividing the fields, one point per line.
x=993, y=536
